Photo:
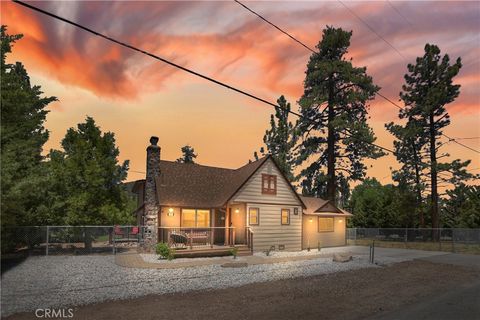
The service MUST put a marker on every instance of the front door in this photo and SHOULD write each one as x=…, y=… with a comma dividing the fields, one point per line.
x=219, y=222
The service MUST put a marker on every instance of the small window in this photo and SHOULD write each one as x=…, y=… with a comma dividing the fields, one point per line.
x=253, y=216
x=285, y=216
x=269, y=184
x=325, y=224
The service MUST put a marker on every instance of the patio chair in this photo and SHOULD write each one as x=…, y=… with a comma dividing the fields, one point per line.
x=176, y=239
x=134, y=231
x=118, y=231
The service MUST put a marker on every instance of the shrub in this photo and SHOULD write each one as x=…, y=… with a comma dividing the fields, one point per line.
x=234, y=252
x=165, y=251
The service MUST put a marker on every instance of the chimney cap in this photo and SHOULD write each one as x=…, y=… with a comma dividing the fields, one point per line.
x=153, y=140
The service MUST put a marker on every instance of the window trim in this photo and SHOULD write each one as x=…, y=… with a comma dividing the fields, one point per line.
x=269, y=178
x=323, y=231
x=281, y=217
x=196, y=217
x=258, y=216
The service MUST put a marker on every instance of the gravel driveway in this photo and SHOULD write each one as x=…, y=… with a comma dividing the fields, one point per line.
x=60, y=281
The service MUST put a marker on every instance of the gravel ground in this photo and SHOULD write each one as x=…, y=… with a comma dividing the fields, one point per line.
x=60, y=281
x=355, y=294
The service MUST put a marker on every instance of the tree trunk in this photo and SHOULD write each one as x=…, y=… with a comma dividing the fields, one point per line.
x=331, y=182
x=433, y=174
x=417, y=187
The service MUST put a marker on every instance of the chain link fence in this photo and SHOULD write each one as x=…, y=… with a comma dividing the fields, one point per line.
x=72, y=240
x=451, y=240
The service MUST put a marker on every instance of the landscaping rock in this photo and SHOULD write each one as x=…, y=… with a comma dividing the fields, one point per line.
x=337, y=257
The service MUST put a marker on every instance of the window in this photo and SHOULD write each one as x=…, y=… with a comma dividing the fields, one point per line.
x=325, y=224
x=253, y=216
x=285, y=216
x=195, y=218
x=269, y=184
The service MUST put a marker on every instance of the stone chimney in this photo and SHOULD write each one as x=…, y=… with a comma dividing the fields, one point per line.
x=151, y=202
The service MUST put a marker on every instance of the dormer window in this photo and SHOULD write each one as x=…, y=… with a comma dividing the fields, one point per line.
x=269, y=184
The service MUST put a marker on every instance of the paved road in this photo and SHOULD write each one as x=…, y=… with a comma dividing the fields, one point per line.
x=462, y=303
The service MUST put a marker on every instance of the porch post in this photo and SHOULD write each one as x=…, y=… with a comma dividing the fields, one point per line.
x=227, y=225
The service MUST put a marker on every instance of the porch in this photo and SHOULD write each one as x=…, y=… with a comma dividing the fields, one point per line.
x=206, y=241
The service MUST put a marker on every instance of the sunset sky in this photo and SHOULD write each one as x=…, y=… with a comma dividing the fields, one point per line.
x=136, y=97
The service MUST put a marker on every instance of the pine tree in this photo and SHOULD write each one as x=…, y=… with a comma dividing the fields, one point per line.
x=23, y=114
x=281, y=138
x=428, y=88
x=333, y=127
x=86, y=186
x=188, y=155
x=408, y=145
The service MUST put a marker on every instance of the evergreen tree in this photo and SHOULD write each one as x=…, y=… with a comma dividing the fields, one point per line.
x=23, y=113
x=188, y=155
x=86, y=178
x=333, y=127
x=408, y=145
x=428, y=88
x=462, y=208
x=280, y=139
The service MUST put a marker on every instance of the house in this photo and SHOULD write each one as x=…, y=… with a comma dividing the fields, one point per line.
x=254, y=205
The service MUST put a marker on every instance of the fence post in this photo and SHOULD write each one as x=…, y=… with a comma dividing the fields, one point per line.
x=46, y=251
x=113, y=240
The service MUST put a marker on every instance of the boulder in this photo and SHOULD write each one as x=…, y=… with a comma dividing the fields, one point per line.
x=337, y=257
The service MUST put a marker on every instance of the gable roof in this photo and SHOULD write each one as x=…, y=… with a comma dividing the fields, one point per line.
x=193, y=185
x=318, y=206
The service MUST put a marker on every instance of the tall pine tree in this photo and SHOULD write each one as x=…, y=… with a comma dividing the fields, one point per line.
x=427, y=90
x=334, y=128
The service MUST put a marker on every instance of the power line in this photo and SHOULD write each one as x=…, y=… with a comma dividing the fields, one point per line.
x=176, y=65
x=308, y=48
x=399, y=13
x=371, y=29
x=126, y=45
x=276, y=27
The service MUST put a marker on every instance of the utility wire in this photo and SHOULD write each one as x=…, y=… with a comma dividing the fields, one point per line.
x=371, y=29
x=178, y=66
x=277, y=27
x=126, y=45
x=399, y=13
x=308, y=48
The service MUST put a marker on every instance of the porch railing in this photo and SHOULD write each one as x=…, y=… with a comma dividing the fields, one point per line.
x=196, y=237
x=249, y=236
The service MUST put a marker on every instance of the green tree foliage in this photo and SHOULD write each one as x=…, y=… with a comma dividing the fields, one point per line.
x=23, y=113
x=280, y=139
x=188, y=155
x=462, y=208
x=86, y=179
x=334, y=130
x=376, y=206
x=428, y=88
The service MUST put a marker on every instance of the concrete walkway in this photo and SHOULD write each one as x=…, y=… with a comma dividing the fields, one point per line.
x=136, y=261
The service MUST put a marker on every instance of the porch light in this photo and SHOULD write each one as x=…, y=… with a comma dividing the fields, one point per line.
x=170, y=212
x=310, y=220
x=237, y=210
x=340, y=221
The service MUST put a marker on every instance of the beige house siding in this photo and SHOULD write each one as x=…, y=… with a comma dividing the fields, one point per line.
x=312, y=238
x=251, y=191
x=270, y=232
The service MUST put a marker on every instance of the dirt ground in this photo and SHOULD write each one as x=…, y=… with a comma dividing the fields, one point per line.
x=345, y=295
